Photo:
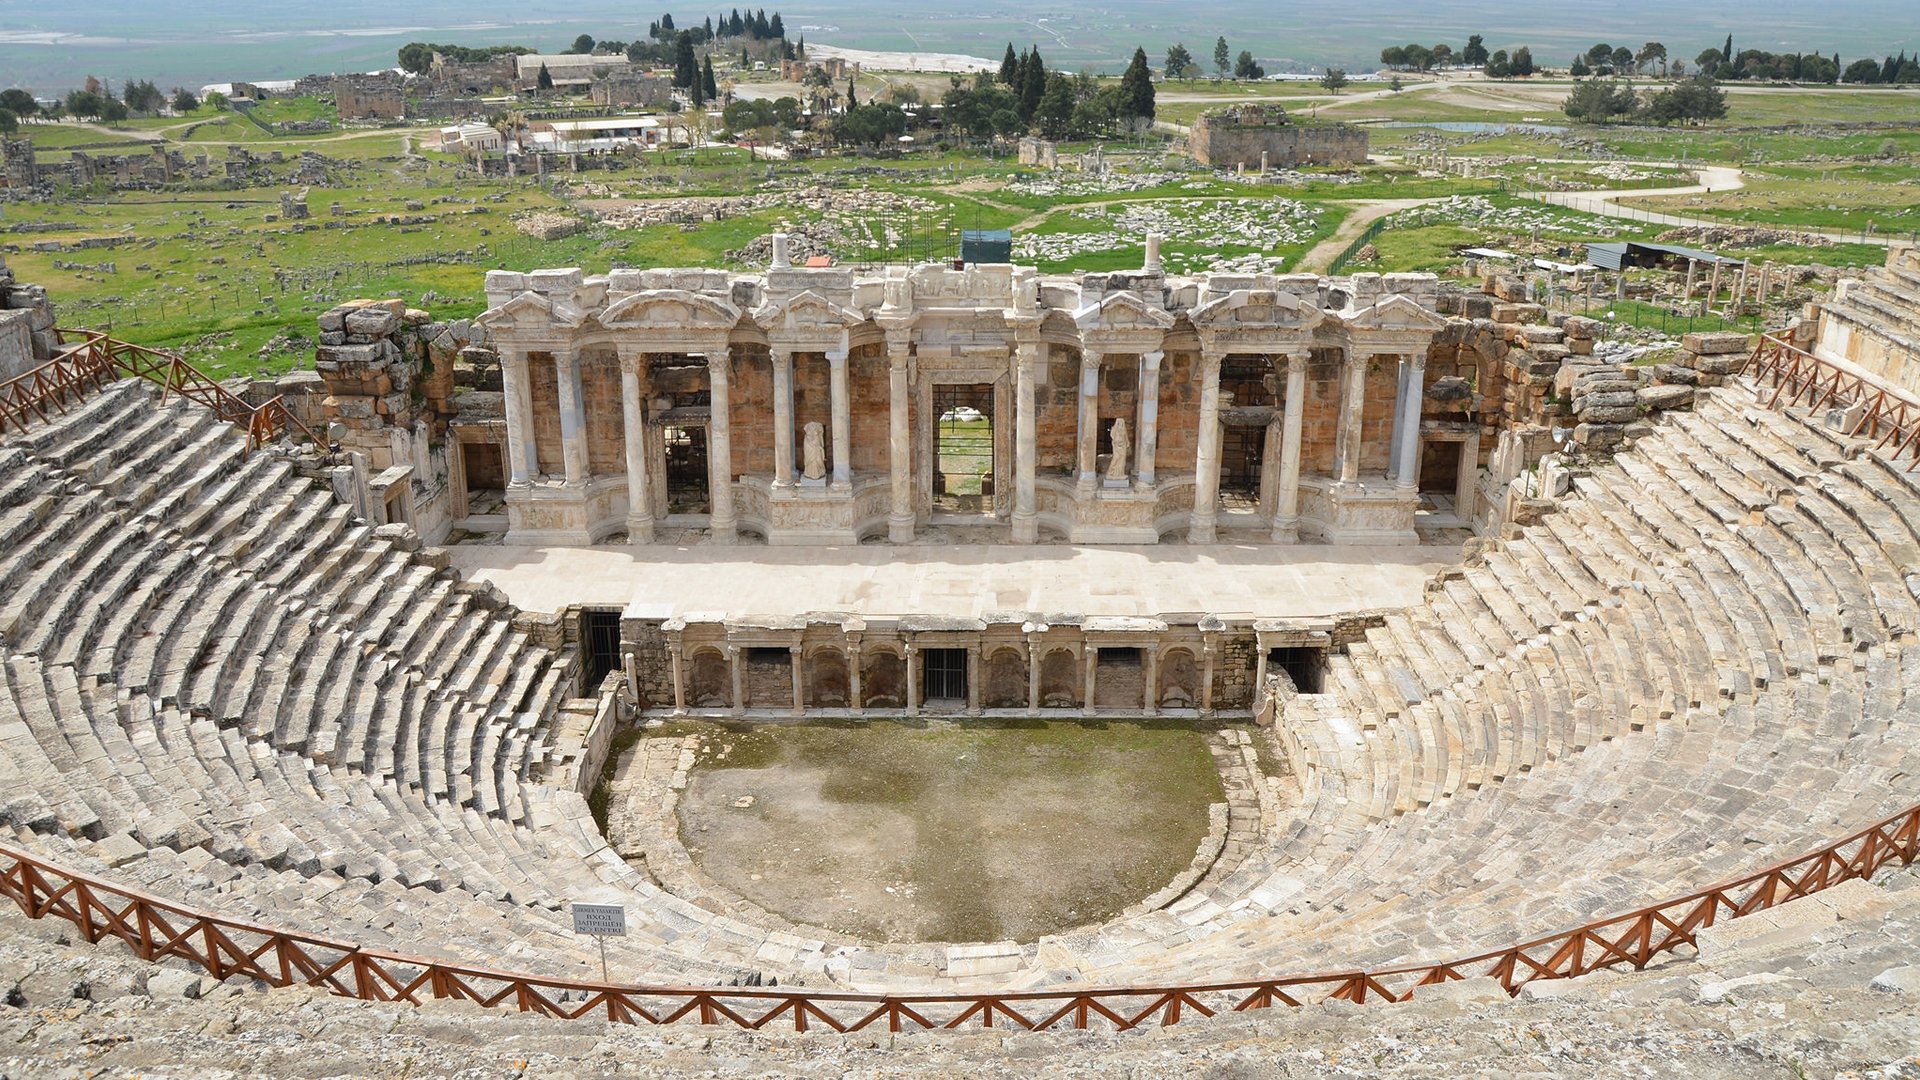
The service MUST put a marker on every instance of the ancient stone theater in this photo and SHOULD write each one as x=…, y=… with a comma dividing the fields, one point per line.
x=1510, y=660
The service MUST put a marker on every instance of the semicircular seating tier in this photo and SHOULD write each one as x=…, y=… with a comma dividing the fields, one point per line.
x=223, y=688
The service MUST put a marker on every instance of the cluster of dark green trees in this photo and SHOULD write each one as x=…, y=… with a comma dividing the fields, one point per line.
x=417, y=56
x=1598, y=100
x=96, y=101
x=1726, y=64
x=1024, y=96
x=1181, y=64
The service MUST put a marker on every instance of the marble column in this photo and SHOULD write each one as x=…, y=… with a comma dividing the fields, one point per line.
x=1033, y=678
x=1259, y=671
x=799, y=680
x=523, y=459
x=1399, y=419
x=782, y=418
x=720, y=449
x=734, y=668
x=1206, y=480
x=1151, y=695
x=639, y=490
x=899, y=443
x=1206, y=678
x=1408, y=475
x=842, y=421
x=1088, y=444
x=679, y=679
x=1026, y=520
x=1091, y=657
x=1352, y=404
x=973, y=680
x=854, y=696
x=573, y=419
x=1286, y=510
x=913, y=680
x=1147, y=444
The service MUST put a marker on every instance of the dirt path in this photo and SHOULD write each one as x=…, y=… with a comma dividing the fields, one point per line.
x=1712, y=178
x=1321, y=256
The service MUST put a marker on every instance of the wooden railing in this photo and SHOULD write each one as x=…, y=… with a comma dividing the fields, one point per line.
x=1801, y=378
x=91, y=360
x=155, y=928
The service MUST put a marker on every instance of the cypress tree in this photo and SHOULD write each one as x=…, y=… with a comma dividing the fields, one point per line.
x=706, y=79
x=544, y=80
x=1033, y=85
x=1009, y=66
x=775, y=27
x=686, y=69
x=1136, y=88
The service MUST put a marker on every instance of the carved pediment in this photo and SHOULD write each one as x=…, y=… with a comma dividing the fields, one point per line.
x=531, y=311
x=1396, y=314
x=669, y=310
x=1256, y=309
x=1123, y=310
x=805, y=312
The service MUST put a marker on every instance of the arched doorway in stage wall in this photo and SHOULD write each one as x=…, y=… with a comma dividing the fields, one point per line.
x=709, y=680
x=1006, y=680
x=827, y=683
x=963, y=464
x=1060, y=680
x=883, y=681
x=1179, y=681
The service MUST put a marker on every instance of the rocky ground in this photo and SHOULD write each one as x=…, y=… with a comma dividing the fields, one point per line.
x=1825, y=987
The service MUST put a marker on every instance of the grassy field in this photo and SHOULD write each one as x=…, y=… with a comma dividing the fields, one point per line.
x=206, y=270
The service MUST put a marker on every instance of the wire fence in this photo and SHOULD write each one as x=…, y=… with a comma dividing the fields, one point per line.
x=1372, y=233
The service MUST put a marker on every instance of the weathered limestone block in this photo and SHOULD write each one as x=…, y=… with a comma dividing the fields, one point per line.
x=1714, y=343
x=1599, y=437
x=1665, y=396
x=1518, y=313
x=1624, y=414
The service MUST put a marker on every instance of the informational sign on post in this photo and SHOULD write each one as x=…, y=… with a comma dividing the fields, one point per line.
x=600, y=921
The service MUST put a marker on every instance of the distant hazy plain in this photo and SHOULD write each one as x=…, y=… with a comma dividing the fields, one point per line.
x=53, y=46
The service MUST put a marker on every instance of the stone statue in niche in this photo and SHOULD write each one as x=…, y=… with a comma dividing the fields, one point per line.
x=814, y=453
x=1122, y=447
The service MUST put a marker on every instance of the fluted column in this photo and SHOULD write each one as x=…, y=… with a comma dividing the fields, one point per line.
x=799, y=680
x=1092, y=655
x=1408, y=474
x=782, y=417
x=913, y=680
x=1399, y=419
x=1026, y=521
x=1352, y=395
x=973, y=680
x=1151, y=704
x=1147, y=446
x=639, y=489
x=1033, y=677
x=679, y=678
x=1089, y=441
x=899, y=441
x=720, y=448
x=1206, y=466
x=523, y=461
x=573, y=419
x=854, y=694
x=1286, y=511
x=842, y=420
x=734, y=669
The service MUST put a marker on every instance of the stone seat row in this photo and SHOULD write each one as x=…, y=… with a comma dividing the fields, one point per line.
x=237, y=605
x=1772, y=562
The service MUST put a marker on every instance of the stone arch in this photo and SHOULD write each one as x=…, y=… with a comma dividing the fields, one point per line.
x=709, y=680
x=826, y=675
x=1060, y=680
x=1006, y=680
x=883, y=680
x=1179, y=686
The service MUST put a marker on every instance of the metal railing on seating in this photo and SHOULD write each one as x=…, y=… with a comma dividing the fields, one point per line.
x=90, y=360
x=1800, y=378
x=154, y=929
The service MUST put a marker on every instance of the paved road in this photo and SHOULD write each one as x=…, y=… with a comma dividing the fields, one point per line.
x=1712, y=177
